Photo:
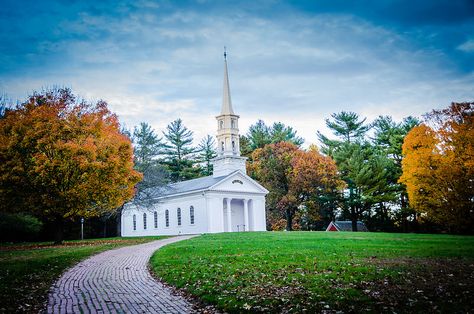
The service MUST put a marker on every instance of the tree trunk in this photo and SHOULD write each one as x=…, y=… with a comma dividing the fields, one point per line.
x=105, y=228
x=59, y=230
x=289, y=220
x=354, y=219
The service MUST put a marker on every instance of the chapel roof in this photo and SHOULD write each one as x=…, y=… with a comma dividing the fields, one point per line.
x=190, y=185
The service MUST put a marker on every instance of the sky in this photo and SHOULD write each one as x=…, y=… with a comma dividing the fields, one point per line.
x=291, y=61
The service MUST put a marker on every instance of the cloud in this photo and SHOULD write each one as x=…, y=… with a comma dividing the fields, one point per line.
x=467, y=46
x=155, y=63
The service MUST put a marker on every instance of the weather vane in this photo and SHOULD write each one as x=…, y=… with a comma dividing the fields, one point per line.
x=225, y=53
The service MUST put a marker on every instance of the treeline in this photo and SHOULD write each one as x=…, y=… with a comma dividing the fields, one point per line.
x=407, y=176
x=355, y=174
x=62, y=159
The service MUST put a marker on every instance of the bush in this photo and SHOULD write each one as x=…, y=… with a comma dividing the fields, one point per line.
x=19, y=227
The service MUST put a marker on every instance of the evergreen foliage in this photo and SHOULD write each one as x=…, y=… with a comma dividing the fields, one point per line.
x=180, y=155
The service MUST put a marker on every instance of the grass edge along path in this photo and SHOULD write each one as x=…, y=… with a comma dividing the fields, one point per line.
x=323, y=272
x=28, y=270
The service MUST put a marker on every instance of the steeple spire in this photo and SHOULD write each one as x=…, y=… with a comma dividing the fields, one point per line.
x=228, y=157
x=226, y=100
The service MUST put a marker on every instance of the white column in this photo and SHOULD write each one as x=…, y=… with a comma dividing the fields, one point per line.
x=229, y=216
x=246, y=215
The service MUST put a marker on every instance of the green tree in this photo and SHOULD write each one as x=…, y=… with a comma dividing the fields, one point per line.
x=388, y=138
x=148, y=148
x=361, y=165
x=207, y=152
x=260, y=134
x=179, y=152
x=345, y=125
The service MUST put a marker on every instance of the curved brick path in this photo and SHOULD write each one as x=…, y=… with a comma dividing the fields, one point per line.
x=116, y=281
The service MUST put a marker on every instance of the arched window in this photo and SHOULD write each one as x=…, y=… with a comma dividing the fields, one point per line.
x=167, y=218
x=233, y=146
x=134, y=222
x=144, y=221
x=155, y=218
x=222, y=146
x=178, y=213
x=191, y=215
x=233, y=123
x=221, y=124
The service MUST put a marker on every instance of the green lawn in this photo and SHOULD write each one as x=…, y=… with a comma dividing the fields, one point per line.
x=323, y=271
x=28, y=270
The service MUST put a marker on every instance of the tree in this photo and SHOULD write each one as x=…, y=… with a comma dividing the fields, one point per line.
x=147, y=146
x=60, y=159
x=279, y=132
x=207, y=152
x=438, y=168
x=260, y=134
x=179, y=152
x=388, y=138
x=147, y=149
x=292, y=176
x=351, y=154
x=345, y=125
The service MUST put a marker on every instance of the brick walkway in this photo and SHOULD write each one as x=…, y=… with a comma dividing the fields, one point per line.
x=116, y=281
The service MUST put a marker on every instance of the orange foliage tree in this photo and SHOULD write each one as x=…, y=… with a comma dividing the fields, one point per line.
x=293, y=177
x=438, y=167
x=60, y=159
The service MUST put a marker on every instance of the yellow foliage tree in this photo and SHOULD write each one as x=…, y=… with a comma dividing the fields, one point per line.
x=438, y=167
x=60, y=159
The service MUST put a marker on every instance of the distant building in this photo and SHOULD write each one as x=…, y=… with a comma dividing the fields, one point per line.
x=227, y=201
x=346, y=225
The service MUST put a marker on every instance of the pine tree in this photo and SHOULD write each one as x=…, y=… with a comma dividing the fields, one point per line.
x=148, y=147
x=207, y=152
x=179, y=152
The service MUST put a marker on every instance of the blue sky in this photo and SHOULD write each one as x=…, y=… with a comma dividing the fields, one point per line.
x=290, y=61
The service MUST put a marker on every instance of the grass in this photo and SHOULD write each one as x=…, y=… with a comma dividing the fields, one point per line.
x=28, y=270
x=323, y=272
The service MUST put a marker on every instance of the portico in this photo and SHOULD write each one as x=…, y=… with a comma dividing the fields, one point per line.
x=237, y=214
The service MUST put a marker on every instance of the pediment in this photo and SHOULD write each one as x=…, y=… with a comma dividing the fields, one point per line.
x=239, y=182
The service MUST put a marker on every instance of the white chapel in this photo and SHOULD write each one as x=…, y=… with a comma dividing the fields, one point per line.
x=227, y=201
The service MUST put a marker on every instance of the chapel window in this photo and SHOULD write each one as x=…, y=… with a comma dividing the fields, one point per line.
x=167, y=218
x=144, y=221
x=191, y=215
x=178, y=212
x=134, y=222
x=155, y=219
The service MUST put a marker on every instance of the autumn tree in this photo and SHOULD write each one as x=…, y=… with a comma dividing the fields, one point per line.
x=61, y=158
x=207, y=152
x=293, y=177
x=179, y=152
x=438, y=168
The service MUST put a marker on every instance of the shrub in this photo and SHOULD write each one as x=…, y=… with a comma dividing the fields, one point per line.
x=19, y=227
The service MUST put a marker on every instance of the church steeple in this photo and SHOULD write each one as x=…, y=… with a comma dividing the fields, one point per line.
x=228, y=152
x=226, y=99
